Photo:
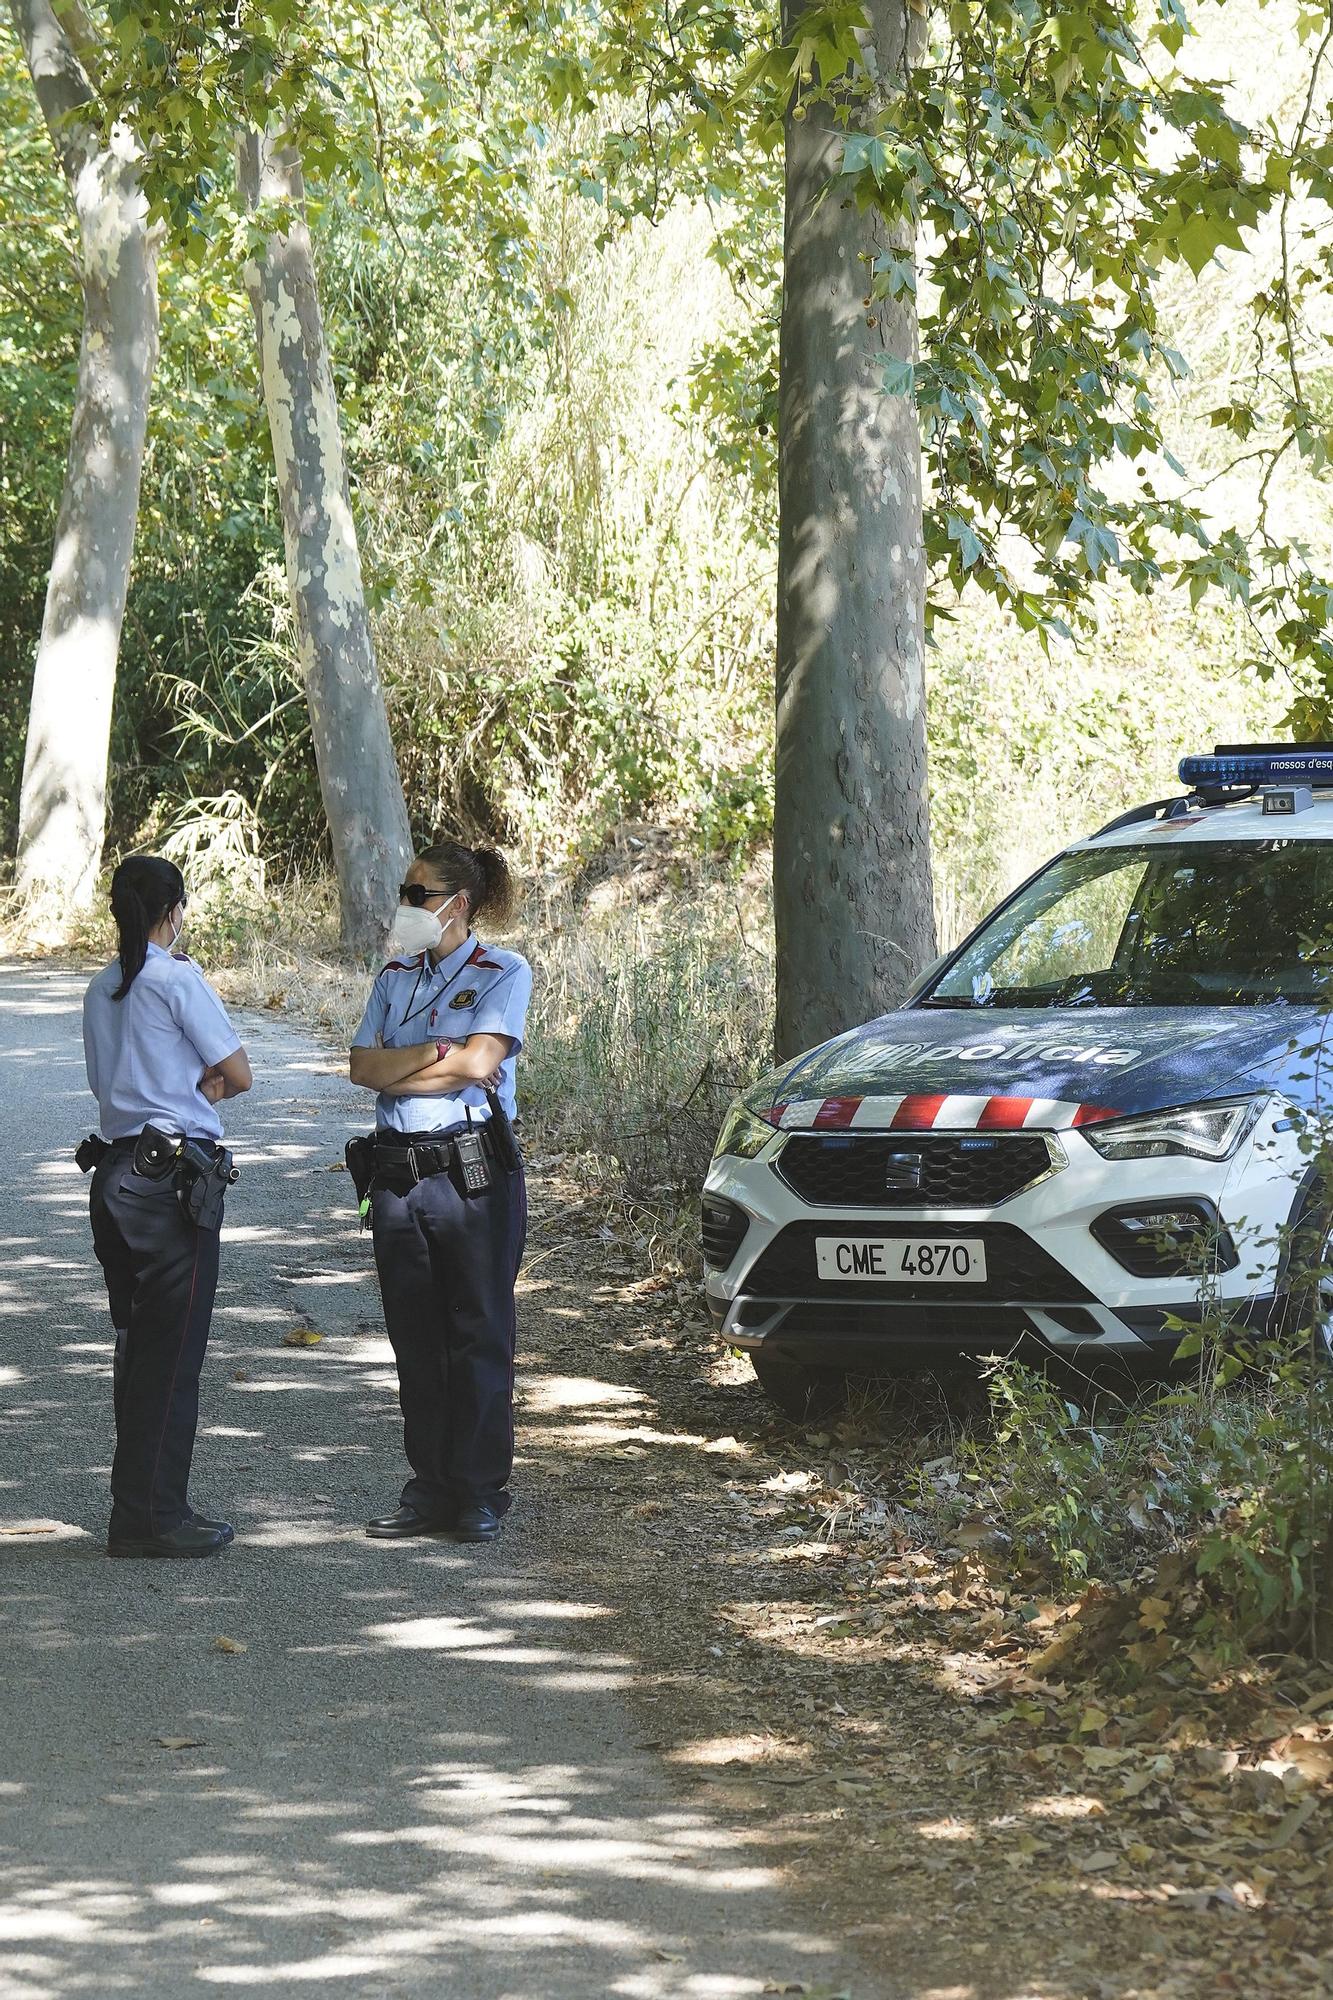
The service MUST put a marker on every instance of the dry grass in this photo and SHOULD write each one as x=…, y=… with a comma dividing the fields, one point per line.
x=652, y=1002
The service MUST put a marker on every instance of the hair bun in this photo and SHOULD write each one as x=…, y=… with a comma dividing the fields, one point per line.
x=482, y=873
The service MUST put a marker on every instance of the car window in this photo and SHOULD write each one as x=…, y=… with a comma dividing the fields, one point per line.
x=1223, y=924
x=1081, y=928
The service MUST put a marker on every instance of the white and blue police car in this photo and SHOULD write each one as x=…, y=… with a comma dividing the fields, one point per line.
x=1090, y=1122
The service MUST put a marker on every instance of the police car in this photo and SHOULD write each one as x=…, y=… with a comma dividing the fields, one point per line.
x=1091, y=1121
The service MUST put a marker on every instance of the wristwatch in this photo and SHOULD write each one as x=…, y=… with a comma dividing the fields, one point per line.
x=441, y=1050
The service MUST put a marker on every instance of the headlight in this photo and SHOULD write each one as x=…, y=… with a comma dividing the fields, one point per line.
x=742, y=1135
x=1199, y=1132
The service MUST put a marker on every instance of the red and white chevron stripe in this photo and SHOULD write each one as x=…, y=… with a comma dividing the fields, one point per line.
x=921, y=1113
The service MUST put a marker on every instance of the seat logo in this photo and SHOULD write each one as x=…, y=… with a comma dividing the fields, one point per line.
x=903, y=1170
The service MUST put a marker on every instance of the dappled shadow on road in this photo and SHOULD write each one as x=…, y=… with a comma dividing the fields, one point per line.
x=391, y=1769
x=408, y=1780
x=966, y=1845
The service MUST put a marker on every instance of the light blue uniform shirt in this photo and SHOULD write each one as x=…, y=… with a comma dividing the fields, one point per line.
x=147, y=1052
x=477, y=990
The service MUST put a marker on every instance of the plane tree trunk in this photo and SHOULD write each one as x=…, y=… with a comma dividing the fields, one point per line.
x=62, y=804
x=358, y=772
x=852, y=884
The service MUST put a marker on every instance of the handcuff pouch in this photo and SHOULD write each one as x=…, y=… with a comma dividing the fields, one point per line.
x=155, y=1154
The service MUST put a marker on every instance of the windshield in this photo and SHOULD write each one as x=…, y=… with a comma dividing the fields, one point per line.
x=1226, y=924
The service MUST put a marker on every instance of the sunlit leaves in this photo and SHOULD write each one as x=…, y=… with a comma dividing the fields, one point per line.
x=1048, y=161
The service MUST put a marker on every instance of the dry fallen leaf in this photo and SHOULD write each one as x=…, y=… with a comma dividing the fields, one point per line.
x=1313, y=1759
x=1217, y=1896
x=181, y=1742
x=226, y=1645
x=1097, y=1757
x=1291, y=1824
x=302, y=1336
x=976, y=1531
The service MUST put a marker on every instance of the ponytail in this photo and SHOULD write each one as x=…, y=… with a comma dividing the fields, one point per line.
x=481, y=874
x=143, y=889
x=497, y=897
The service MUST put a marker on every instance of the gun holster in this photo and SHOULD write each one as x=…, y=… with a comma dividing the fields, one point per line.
x=202, y=1180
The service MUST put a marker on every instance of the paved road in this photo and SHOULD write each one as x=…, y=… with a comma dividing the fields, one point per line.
x=420, y=1774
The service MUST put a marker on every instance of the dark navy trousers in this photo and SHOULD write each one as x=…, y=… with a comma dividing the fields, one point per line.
x=161, y=1275
x=447, y=1264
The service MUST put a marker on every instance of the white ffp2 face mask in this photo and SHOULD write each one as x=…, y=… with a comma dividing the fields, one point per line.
x=415, y=930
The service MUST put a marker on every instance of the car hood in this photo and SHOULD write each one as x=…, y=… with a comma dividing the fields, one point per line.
x=941, y=1067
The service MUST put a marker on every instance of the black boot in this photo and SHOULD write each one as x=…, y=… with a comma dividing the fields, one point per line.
x=192, y=1538
x=478, y=1523
x=407, y=1521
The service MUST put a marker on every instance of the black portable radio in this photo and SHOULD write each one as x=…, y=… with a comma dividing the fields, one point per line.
x=472, y=1162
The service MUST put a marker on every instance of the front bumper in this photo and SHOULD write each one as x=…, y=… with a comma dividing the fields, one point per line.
x=1051, y=1284
x=890, y=1335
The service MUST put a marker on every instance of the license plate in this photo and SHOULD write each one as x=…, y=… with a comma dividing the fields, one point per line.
x=902, y=1260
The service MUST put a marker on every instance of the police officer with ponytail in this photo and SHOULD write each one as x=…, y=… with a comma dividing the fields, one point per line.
x=437, y=1043
x=161, y=1057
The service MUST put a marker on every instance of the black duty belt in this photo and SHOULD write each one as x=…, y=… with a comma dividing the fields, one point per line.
x=200, y=1170
x=401, y=1162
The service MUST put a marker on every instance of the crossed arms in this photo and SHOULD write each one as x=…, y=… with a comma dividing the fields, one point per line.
x=228, y=1078
x=420, y=1071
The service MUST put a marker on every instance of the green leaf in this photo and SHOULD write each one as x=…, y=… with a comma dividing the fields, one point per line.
x=969, y=547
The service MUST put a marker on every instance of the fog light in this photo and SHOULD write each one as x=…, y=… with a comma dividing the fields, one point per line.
x=1170, y=1240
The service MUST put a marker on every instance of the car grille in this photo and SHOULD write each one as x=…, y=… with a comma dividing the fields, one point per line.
x=956, y=1170
x=985, y=1329
x=1017, y=1271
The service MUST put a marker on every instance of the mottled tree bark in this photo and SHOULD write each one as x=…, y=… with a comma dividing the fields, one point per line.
x=358, y=772
x=62, y=806
x=851, y=856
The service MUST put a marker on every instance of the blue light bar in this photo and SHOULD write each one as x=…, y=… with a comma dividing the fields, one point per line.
x=1294, y=766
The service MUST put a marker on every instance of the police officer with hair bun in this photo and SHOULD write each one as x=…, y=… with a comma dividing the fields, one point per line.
x=444, y=1185
x=161, y=1056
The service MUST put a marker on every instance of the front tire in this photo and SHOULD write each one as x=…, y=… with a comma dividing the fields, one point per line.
x=800, y=1392
x=1308, y=1301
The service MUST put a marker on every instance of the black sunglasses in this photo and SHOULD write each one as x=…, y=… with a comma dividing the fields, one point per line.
x=417, y=893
